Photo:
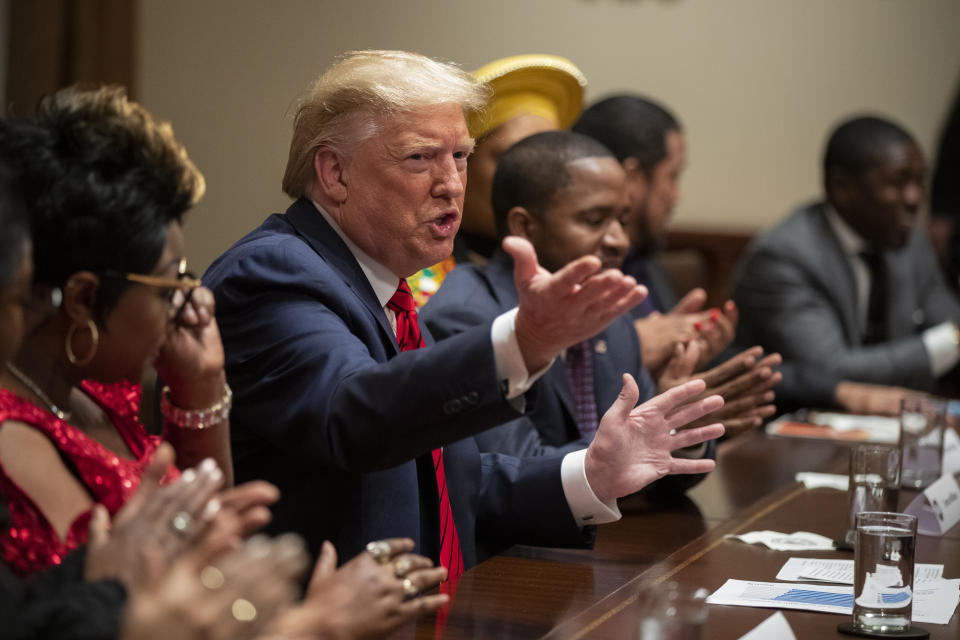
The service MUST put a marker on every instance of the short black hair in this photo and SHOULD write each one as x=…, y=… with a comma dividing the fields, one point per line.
x=631, y=127
x=14, y=227
x=102, y=181
x=531, y=171
x=857, y=144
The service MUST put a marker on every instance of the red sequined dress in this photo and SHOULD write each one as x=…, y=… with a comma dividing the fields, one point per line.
x=29, y=543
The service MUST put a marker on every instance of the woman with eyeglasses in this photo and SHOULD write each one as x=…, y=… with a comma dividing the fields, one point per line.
x=107, y=187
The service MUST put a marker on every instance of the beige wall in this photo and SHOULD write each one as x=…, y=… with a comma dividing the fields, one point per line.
x=756, y=82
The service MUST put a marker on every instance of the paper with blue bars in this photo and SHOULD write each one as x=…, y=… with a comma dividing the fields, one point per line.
x=933, y=603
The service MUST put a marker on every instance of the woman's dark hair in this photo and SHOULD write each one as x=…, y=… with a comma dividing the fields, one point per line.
x=14, y=227
x=102, y=181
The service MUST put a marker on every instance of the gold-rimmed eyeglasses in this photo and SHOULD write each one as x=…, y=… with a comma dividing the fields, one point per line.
x=180, y=288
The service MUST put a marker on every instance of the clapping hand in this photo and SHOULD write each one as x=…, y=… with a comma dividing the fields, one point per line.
x=745, y=382
x=368, y=597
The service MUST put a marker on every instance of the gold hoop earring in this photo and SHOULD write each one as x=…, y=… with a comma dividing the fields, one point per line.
x=94, y=337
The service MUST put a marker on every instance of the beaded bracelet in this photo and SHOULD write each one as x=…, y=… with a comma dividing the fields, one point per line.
x=196, y=418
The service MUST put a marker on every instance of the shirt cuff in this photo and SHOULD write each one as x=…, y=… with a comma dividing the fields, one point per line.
x=584, y=505
x=511, y=368
x=941, y=345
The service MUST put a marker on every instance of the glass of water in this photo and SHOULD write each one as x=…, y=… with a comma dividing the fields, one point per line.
x=883, y=571
x=671, y=611
x=922, y=419
x=874, y=481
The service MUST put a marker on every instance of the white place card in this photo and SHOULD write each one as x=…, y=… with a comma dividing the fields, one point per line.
x=951, y=451
x=775, y=627
x=938, y=507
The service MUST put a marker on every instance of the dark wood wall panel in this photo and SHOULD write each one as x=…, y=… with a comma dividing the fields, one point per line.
x=57, y=43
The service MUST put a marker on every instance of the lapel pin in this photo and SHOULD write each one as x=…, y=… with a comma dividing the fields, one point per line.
x=600, y=346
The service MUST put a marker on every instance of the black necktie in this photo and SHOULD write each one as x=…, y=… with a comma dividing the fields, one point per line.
x=876, y=329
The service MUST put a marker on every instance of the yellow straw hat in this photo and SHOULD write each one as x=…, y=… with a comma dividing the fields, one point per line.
x=543, y=85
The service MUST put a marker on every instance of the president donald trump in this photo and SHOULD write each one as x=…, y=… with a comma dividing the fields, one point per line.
x=343, y=400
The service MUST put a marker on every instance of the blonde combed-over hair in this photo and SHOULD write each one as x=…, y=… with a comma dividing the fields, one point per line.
x=341, y=108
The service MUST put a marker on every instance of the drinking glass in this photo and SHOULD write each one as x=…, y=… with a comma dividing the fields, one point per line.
x=671, y=612
x=922, y=419
x=883, y=571
x=874, y=481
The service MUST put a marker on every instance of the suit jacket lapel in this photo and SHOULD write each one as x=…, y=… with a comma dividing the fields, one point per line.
x=499, y=272
x=312, y=227
x=836, y=275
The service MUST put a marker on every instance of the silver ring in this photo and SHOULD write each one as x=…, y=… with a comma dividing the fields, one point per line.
x=410, y=590
x=181, y=523
x=380, y=551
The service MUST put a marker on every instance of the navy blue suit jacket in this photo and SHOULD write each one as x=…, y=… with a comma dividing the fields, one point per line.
x=472, y=296
x=329, y=410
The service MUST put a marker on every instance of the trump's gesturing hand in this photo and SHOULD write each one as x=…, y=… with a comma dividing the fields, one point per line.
x=633, y=444
x=557, y=310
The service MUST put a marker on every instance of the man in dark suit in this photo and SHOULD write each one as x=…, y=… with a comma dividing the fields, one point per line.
x=366, y=434
x=649, y=142
x=566, y=194
x=851, y=286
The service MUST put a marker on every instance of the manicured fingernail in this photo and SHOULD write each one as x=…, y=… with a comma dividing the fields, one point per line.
x=211, y=509
x=208, y=465
x=696, y=325
x=259, y=546
x=188, y=476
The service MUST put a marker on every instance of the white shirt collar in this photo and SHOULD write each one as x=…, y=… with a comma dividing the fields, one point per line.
x=850, y=240
x=383, y=281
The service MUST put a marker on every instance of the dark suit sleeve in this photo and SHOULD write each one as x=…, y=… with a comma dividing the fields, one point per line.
x=521, y=438
x=522, y=502
x=58, y=604
x=939, y=303
x=462, y=304
x=299, y=356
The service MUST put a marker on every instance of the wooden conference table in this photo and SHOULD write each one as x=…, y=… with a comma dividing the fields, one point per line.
x=532, y=592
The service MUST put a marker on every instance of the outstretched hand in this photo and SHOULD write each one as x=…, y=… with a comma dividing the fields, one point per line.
x=633, y=444
x=557, y=310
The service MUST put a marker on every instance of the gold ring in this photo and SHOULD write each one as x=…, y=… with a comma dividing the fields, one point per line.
x=402, y=567
x=410, y=590
x=243, y=610
x=380, y=551
x=211, y=577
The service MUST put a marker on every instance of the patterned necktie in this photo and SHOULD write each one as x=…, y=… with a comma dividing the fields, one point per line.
x=580, y=374
x=408, y=339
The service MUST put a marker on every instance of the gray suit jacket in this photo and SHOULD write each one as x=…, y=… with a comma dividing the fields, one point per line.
x=797, y=295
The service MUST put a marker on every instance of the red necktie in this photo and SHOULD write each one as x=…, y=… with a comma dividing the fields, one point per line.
x=409, y=338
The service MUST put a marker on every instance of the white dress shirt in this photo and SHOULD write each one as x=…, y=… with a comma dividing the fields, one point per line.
x=584, y=505
x=939, y=341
